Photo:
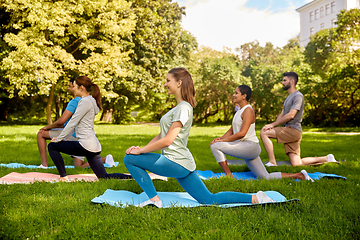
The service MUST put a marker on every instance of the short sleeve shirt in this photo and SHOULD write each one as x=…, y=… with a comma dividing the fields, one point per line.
x=72, y=105
x=294, y=101
x=178, y=151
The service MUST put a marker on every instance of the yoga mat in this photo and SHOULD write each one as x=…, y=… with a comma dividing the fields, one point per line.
x=242, y=162
x=205, y=175
x=279, y=163
x=21, y=165
x=31, y=177
x=122, y=198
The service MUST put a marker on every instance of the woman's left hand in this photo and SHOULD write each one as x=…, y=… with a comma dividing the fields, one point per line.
x=215, y=141
x=133, y=150
x=53, y=139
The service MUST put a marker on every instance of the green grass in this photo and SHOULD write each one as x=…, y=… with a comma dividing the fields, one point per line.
x=328, y=208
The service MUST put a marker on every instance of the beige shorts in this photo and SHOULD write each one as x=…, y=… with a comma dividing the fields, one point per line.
x=56, y=132
x=291, y=139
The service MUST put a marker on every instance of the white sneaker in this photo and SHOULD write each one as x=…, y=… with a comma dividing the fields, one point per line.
x=263, y=198
x=331, y=158
x=269, y=164
x=307, y=177
x=157, y=204
x=109, y=160
x=42, y=166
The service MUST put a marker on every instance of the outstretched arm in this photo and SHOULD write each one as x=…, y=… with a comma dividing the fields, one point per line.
x=227, y=134
x=281, y=119
x=58, y=123
x=82, y=108
x=248, y=118
x=158, y=143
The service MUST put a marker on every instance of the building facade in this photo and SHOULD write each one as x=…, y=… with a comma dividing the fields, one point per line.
x=321, y=14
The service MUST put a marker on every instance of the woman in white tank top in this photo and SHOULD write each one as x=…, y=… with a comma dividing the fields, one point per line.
x=240, y=141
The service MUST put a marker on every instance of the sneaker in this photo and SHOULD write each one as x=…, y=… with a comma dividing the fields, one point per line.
x=110, y=160
x=307, y=177
x=42, y=166
x=263, y=198
x=269, y=164
x=157, y=204
x=331, y=158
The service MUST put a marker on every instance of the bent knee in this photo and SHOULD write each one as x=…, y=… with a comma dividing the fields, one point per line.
x=51, y=146
x=263, y=134
x=129, y=158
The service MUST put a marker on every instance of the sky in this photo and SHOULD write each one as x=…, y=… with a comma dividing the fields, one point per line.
x=231, y=23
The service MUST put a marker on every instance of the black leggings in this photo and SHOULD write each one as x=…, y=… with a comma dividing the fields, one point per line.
x=74, y=148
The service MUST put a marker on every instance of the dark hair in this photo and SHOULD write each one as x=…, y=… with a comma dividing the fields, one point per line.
x=187, y=86
x=72, y=80
x=292, y=75
x=88, y=84
x=245, y=89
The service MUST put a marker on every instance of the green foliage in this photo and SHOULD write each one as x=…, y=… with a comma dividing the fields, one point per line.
x=157, y=40
x=128, y=47
x=264, y=67
x=334, y=56
x=54, y=41
x=327, y=208
x=218, y=76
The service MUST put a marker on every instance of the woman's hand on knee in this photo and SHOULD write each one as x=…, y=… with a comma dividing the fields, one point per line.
x=215, y=140
x=133, y=150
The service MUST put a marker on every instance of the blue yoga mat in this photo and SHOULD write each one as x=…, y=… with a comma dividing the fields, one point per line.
x=205, y=175
x=20, y=165
x=122, y=198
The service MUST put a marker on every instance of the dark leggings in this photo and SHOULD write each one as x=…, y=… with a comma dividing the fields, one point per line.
x=75, y=148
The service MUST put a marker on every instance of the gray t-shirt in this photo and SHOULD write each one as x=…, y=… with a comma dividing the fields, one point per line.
x=177, y=151
x=294, y=101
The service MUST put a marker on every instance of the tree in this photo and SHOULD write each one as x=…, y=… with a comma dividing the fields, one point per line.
x=219, y=74
x=157, y=41
x=334, y=56
x=54, y=41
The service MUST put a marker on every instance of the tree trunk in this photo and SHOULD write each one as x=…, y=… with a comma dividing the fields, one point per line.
x=344, y=116
x=57, y=107
x=4, y=110
x=107, y=115
x=49, y=104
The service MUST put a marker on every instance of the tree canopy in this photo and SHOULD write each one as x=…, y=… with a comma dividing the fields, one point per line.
x=334, y=57
x=53, y=41
x=127, y=47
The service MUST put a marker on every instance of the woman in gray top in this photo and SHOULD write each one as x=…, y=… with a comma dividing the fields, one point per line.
x=82, y=121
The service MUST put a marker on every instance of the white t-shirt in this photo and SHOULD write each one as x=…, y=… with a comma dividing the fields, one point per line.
x=237, y=123
x=178, y=151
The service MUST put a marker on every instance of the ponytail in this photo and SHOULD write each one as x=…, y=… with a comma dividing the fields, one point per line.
x=97, y=95
x=88, y=84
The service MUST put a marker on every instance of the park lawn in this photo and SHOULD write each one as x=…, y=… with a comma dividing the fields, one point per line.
x=328, y=208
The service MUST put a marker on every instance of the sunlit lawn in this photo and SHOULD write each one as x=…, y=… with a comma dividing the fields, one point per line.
x=327, y=208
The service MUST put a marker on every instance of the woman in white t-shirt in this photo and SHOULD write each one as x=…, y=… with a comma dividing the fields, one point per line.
x=240, y=141
x=175, y=159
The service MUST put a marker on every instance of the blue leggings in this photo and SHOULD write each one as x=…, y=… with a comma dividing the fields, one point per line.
x=75, y=148
x=189, y=181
